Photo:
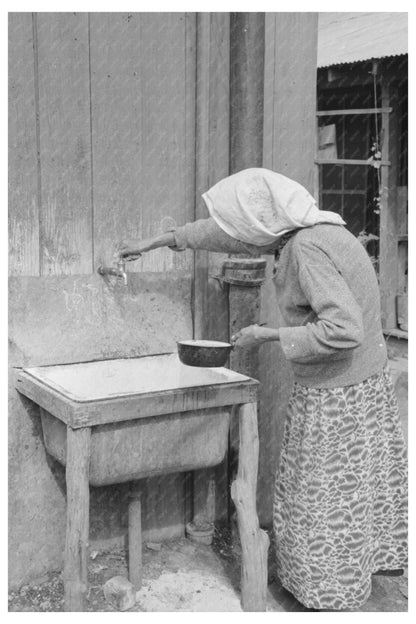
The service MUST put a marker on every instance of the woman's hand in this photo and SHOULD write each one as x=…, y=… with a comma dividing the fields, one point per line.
x=254, y=336
x=130, y=249
x=251, y=336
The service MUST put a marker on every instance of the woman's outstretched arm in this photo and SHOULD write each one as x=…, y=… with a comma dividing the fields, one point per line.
x=201, y=234
x=132, y=248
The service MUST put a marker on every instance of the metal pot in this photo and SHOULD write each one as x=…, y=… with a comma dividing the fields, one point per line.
x=206, y=353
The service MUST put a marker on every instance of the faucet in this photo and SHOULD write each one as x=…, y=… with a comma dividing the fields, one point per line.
x=119, y=270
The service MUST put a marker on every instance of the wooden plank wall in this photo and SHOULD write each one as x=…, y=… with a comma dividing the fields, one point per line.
x=23, y=164
x=102, y=147
x=102, y=128
x=289, y=148
x=65, y=210
x=142, y=99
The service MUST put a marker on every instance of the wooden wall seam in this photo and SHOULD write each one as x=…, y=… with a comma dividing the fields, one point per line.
x=37, y=113
x=91, y=151
x=202, y=84
x=269, y=86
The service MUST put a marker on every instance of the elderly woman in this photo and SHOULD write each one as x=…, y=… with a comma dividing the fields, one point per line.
x=340, y=502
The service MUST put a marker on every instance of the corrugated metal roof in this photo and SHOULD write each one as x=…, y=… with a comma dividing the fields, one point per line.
x=352, y=37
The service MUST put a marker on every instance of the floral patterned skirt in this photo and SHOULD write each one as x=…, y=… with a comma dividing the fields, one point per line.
x=340, y=504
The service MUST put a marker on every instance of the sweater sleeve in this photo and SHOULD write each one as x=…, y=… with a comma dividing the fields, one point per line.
x=338, y=324
x=207, y=234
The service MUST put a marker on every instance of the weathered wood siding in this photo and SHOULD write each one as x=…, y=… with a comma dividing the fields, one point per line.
x=102, y=127
x=143, y=126
x=62, y=79
x=23, y=163
x=102, y=147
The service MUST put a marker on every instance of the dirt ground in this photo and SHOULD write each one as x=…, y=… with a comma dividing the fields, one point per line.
x=180, y=575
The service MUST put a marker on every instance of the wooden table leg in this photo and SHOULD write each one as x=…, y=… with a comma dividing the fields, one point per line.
x=135, y=535
x=77, y=523
x=254, y=541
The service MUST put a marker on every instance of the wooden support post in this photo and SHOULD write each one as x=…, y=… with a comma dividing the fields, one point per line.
x=135, y=536
x=254, y=541
x=245, y=277
x=388, y=259
x=77, y=523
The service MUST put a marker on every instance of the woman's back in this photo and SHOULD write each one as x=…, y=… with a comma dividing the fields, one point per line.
x=329, y=297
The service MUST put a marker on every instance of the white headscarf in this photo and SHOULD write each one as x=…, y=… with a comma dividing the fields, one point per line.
x=258, y=206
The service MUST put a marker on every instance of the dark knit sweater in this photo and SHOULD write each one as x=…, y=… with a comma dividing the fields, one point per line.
x=328, y=295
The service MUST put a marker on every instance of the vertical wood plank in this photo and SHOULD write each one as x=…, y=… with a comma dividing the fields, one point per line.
x=290, y=95
x=402, y=266
x=65, y=143
x=388, y=259
x=143, y=119
x=203, y=35
x=212, y=157
x=77, y=524
x=219, y=157
x=190, y=125
x=23, y=173
x=135, y=535
x=269, y=88
x=402, y=211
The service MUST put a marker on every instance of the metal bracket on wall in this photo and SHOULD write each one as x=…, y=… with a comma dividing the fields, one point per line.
x=220, y=280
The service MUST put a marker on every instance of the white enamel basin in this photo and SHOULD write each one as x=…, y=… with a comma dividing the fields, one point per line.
x=95, y=381
x=148, y=416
